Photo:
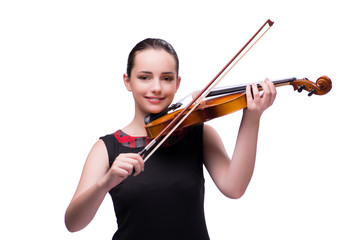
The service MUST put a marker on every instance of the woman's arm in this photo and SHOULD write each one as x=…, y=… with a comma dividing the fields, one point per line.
x=96, y=180
x=233, y=176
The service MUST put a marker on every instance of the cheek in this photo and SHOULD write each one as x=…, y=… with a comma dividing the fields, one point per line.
x=171, y=88
x=139, y=87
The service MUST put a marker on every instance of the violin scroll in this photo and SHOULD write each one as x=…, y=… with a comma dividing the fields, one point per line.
x=322, y=86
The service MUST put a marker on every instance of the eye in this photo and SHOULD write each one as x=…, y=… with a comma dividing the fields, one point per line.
x=143, y=77
x=168, y=78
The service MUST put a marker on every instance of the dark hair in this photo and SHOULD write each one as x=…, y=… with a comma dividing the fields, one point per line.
x=154, y=43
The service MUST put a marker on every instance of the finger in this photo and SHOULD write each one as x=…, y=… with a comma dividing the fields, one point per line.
x=121, y=169
x=255, y=92
x=135, y=167
x=266, y=96
x=137, y=157
x=127, y=166
x=249, y=96
x=138, y=163
x=132, y=163
x=272, y=91
x=141, y=161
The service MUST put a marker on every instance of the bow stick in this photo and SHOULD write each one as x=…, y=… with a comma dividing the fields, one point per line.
x=202, y=94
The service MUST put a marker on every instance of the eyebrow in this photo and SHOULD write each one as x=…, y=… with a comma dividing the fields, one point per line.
x=148, y=72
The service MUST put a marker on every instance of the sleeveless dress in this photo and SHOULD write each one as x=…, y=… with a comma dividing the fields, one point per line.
x=166, y=201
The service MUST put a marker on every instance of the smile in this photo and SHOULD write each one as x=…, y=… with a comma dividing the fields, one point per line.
x=154, y=99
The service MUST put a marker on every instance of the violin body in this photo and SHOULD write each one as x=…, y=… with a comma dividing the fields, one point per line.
x=205, y=111
x=228, y=103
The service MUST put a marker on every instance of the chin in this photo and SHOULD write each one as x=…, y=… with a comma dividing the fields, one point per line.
x=156, y=110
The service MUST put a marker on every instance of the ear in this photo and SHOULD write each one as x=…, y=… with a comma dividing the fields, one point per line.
x=127, y=82
x=178, y=83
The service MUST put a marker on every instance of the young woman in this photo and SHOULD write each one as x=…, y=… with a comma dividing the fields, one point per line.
x=164, y=198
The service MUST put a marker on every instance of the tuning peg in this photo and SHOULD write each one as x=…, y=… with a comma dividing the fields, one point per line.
x=300, y=88
x=311, y=92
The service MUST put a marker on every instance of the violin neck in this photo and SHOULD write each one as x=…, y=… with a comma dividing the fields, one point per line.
x=242, y=88
x=283, y=82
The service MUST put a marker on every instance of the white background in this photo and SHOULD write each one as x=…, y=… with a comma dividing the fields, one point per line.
x=61, y=66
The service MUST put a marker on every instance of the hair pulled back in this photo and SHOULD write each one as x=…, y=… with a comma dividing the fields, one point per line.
x=151, y=43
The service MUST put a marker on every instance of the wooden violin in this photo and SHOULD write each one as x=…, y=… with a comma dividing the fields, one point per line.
x=225, y=101
x=160, y=126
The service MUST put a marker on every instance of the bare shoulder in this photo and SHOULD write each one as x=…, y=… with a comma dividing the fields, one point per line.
x=95, y=167
x=98, y=150
x=97, y=161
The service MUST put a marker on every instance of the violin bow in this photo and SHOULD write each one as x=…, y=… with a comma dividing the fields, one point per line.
x=173, y=125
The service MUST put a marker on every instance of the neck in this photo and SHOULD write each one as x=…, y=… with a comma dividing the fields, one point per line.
x=137, y=126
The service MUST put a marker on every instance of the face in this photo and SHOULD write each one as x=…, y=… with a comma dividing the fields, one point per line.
x=153, y=81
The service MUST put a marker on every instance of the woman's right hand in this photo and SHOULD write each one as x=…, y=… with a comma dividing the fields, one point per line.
x=123, y=166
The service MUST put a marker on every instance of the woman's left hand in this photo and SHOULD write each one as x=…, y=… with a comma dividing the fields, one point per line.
x=258, y=102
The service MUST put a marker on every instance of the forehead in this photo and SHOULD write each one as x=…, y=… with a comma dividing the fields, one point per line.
x=154, y=60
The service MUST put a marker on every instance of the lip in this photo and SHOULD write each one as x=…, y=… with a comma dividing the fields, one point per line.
x=155, y=99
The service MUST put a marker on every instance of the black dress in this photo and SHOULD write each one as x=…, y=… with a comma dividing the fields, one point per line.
x=166, y=201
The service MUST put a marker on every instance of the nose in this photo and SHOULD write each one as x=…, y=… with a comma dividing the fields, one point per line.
x=156, y=86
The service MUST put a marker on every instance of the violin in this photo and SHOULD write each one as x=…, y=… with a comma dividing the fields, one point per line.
x=160, y=126
x=225, y=101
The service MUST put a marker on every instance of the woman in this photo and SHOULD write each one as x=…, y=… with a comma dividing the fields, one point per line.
x=163, y=199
